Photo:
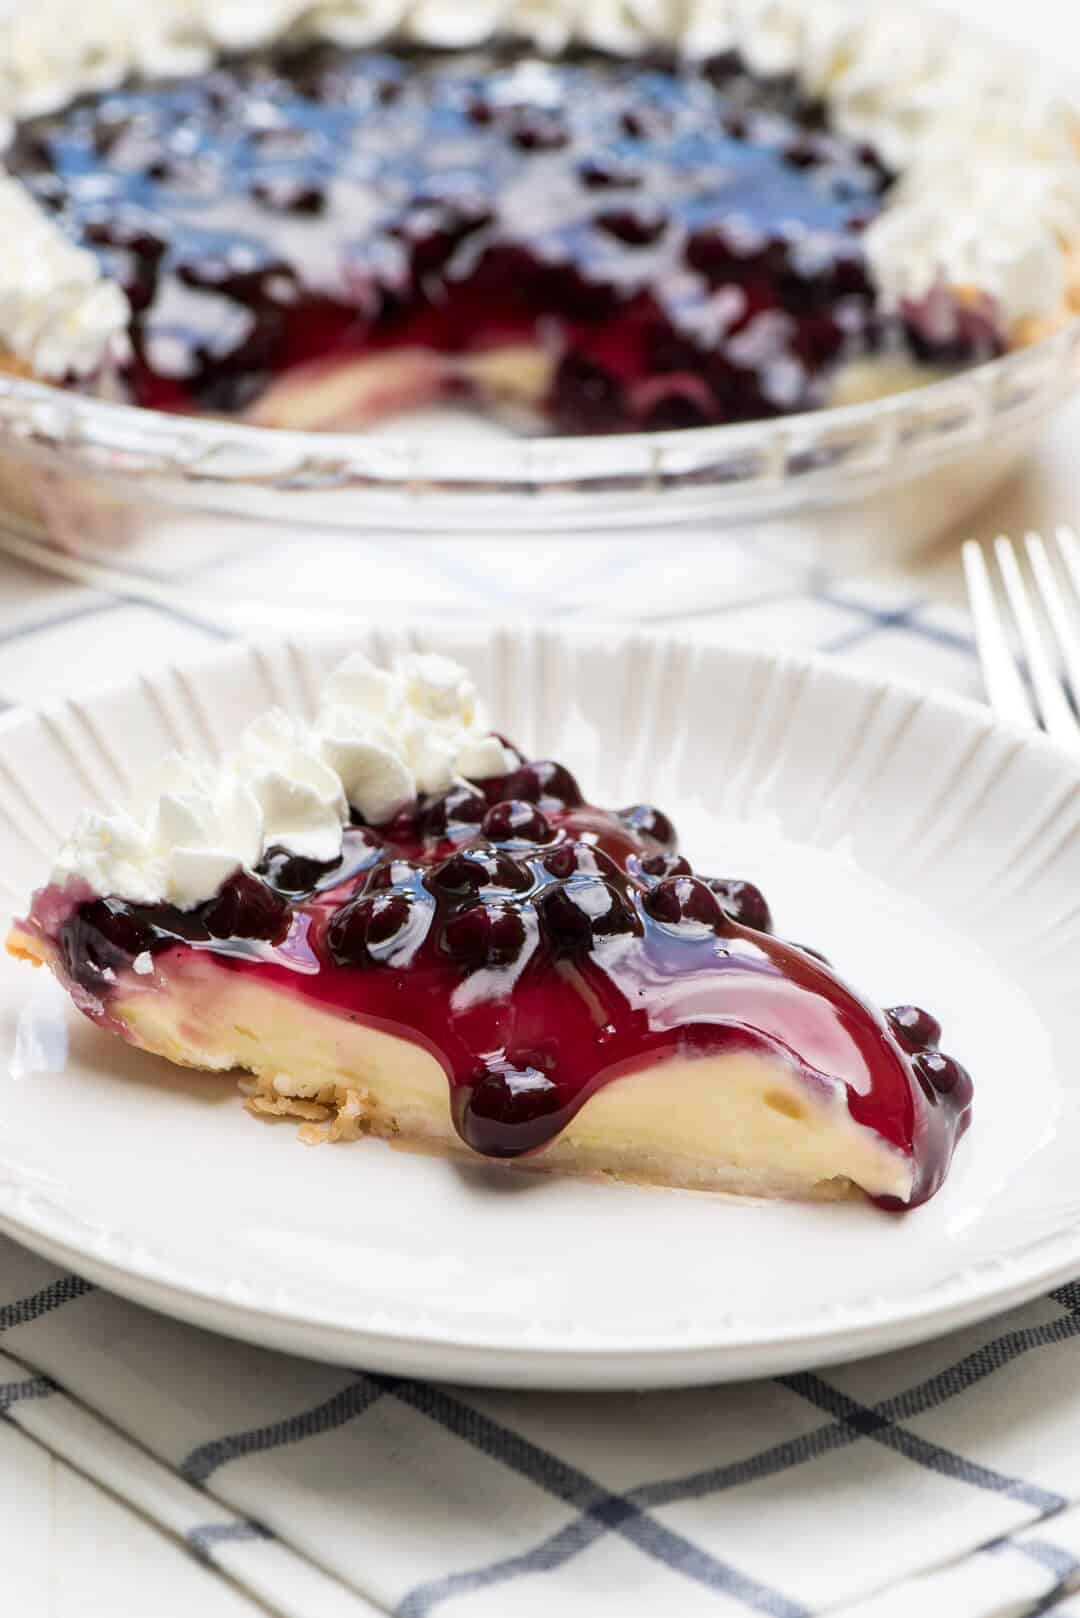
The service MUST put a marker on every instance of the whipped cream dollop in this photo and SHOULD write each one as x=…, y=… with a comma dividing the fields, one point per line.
x=965, y=119
x=939, y=233
x=57, y=311
x=379, y=740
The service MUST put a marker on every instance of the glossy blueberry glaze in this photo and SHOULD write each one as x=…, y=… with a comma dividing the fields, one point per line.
x=685, y=242
x=539, y=948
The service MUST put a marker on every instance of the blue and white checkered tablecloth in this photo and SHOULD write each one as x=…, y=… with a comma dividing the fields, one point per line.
x=943, y=1480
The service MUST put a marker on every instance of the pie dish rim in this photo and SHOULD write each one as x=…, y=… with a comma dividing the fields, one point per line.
x=737, y=470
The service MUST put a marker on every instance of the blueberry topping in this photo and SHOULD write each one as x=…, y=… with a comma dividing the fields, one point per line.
x=125, y=929
x=509, y=1110
x=297, y=877
x=100, y=939
x=586, y=396
x=603, y=173
x=535, y=131
x=104, y=936
x=650, y=824
x=393, y=873
x=743, y=902
x=579, y=859
x=940, y=1075
x=684, y=902
x=456, y=814
x=915, y=1029
x=654, y=867
x=434, y=229
x=286, y=194
x=578, y=913
x=492, y=934
x=545, y=783
x=293, y=874
x=641, y=226
x=406, y=826
x=379, y=928
x=925, y=1082
x=515, y=821
x=426, y=182
x=480, y=870
x=245, y=907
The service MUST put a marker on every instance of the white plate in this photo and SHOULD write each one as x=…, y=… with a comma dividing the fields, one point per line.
x=933, y=856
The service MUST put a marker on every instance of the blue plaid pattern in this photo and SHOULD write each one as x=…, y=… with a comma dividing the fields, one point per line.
x=244, y=1470
x=945, y=1479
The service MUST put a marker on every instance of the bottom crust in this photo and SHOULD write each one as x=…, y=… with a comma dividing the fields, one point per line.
x=12, y=365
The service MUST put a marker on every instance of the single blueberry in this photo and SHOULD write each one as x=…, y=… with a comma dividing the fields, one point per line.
x=516, y=821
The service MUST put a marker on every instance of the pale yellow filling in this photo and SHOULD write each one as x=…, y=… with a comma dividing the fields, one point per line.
x=345, y=395
x=863, y=381
x=349, y=394
x=739, y=1122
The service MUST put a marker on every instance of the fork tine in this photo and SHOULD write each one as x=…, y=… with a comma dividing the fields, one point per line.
x=1069, y=551
x=1056, y=714
x=1004, y=687
x=1053, y=599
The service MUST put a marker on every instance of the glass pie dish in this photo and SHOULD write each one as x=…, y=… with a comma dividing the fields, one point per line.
x=107, y=480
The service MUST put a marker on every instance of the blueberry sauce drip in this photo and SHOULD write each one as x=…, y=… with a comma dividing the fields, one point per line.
x=685, y=242
x=540, y=948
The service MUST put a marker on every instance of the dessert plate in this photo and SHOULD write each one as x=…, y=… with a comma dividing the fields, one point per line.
x=933, y=855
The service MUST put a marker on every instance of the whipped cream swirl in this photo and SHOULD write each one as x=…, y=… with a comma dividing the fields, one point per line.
x=965, y=120
x=379, y=740
x=58, y=312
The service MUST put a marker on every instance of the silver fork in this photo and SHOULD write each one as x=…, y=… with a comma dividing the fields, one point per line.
x=1046, y=623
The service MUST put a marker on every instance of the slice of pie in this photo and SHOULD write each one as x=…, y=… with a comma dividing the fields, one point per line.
x=393, y=923
x=578, y=216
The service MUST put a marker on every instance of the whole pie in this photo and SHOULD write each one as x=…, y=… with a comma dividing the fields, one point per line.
x=580, y=215
x=392, y=922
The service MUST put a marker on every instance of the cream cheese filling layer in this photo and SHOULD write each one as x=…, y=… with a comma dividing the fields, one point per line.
x=741, y=1122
